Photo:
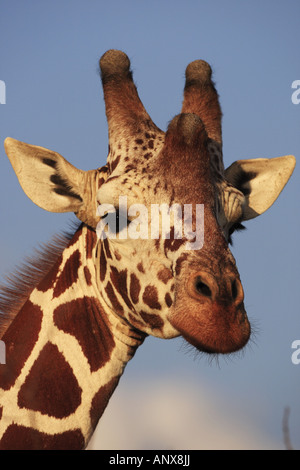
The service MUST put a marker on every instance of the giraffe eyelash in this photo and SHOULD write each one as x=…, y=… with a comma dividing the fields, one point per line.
x=236, y=227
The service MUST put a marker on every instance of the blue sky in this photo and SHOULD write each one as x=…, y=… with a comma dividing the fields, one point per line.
x=49, y=62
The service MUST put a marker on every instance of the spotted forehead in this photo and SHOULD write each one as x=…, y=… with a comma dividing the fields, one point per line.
x=130, y=166
x=134, y=153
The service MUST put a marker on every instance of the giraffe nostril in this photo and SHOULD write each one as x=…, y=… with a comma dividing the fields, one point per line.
x=237, y=293
x=202, y=288
x=202, y=285
x=234, y=290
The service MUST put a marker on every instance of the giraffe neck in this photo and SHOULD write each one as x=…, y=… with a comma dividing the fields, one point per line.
x=65, y=354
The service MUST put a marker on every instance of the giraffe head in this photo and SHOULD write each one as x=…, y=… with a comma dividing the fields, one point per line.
x=164, y=209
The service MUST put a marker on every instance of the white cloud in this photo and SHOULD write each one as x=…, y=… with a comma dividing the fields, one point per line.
x=171, y=415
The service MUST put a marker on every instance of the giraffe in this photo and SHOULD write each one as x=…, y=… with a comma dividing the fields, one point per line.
x=75, y=316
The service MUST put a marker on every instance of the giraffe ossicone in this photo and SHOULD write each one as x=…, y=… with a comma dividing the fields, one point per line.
x=75, y=316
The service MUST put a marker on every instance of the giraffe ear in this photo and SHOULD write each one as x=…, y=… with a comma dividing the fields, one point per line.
x=261, y=180
x=48, y=179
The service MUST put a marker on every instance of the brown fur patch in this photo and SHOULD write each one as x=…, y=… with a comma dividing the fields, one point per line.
x=100, y=182
x=135, y=288
x=165, y=275
x=87, y=275
x=20, y=339
x=20, y=284
x=91, y=242
x=115, y=163
x=69, y=274
x=150, y=297
x=117, y=255
x=100, y=400
x=86, y=320
x=50, y=387
x=22, y=438
x=179, y=263
x=114, y=301
x=139, y=325
x=168, y=299
x=154, y=321
x=140, y=267
x=50, y=278
x=119, y=280
x=106, y=247
x=103, y=264
x=173, y=244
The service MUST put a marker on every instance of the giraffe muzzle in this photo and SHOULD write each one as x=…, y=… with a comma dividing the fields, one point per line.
x=210, y=313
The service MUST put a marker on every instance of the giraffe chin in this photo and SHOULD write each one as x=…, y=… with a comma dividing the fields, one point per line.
x=213, y=329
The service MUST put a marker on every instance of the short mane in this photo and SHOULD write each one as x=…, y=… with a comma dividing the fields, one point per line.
x=17, y=286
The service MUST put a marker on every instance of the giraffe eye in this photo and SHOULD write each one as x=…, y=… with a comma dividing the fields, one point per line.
x=116, y=221
x=121, y=221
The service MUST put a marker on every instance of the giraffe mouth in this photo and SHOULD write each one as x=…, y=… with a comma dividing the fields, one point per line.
x=214, y=329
